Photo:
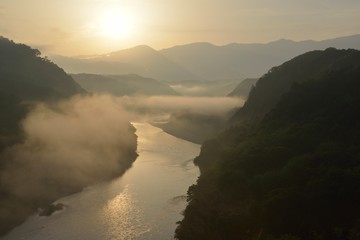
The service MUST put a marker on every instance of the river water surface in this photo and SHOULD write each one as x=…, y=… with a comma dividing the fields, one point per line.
x=145, y=203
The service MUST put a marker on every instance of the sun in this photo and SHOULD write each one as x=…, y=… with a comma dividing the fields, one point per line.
x=114, y=24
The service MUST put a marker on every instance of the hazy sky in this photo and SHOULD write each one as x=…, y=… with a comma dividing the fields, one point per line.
x=72, y=27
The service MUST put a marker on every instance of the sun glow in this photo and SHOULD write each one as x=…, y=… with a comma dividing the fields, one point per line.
x=114, y=24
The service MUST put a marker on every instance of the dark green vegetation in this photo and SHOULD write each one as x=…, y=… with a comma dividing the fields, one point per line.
x=24, y=77
x=243, y=89
x=270, y=88
x=29, y=179
x=120, y=85
x=288, y=166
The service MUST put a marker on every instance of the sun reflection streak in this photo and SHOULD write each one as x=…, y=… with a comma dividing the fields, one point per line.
x=123, y=217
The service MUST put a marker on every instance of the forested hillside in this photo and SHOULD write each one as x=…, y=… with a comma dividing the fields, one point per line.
x=278, y=80
x=47, y=144
x=25, y=76
x=290, y=170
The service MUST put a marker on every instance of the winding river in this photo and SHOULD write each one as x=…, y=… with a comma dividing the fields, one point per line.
x=145, y=203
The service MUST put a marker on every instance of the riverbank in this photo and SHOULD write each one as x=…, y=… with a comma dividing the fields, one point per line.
x=15, y=209
x=144, y=203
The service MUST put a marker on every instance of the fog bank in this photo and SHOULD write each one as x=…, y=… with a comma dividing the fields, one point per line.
x=201, y=105
x=77, y=142
x=69, y=145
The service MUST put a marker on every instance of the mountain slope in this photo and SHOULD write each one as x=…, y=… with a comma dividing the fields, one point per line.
x=278, y=80
x=199, y=61
x=121, y=85
x=243, y=88
x=25, y=76
x=295, y=175
x=140, y=60
x=236, y=61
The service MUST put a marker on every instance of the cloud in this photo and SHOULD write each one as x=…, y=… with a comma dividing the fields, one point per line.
x=189, y=90
x=67, y=146
x=209, y=105
x=77, y=142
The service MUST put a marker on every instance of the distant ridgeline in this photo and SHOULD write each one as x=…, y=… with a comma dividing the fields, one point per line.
x=27, y=78
x=288, y=166
x=121, y=85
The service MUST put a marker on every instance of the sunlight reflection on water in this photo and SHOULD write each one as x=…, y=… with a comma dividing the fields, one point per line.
x=144, y=204
x=123, y=218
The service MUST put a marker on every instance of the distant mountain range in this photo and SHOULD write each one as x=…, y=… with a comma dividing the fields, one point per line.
x=141, y=60
x=246, y=60
x=200, y=61
x=121, y=85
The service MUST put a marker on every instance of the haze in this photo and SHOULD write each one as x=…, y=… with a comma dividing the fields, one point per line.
x=91, y=26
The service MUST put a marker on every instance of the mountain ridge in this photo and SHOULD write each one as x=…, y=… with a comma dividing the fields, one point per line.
x=142, y=60
x=200, y=61
x=247, y=60
x=294, y=173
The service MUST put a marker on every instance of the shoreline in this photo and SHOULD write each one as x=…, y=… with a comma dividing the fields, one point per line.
x=24, y=209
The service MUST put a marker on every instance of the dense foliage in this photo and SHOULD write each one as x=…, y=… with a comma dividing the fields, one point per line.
x=24, y=73
x=270, y=87
x=26, y=76
x=293, y=174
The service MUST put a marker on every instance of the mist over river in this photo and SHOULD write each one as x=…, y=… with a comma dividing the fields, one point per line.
x=144, y=203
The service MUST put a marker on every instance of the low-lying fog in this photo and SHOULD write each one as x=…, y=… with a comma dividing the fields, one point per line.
x=78, y=140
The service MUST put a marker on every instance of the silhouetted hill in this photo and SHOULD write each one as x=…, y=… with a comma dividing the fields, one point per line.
x=295, y=174
x=36, y=167
x=278, y=80
x=236, y=60
x=121, y=85
x=243, y=88
x=25, y=76
x=141, y=60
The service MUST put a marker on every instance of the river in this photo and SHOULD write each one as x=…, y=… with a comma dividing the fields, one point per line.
x=144, y=203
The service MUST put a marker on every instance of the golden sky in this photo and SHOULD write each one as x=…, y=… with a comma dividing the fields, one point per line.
x=76, y=27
